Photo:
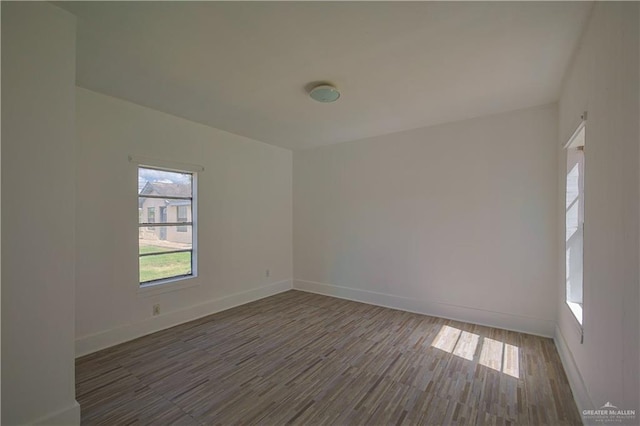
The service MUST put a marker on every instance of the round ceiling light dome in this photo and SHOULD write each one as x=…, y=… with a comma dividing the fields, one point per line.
x=324, y=93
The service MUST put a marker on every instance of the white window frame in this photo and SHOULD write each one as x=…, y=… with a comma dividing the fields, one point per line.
x=182, y=281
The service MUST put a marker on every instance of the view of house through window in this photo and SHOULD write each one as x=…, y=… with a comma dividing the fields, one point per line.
x=574, y=222
x=165, y=225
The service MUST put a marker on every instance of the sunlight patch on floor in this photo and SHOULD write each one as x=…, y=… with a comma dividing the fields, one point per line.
x=467, y=344
x=494, y=354
x=446, y=338
x=491, y=354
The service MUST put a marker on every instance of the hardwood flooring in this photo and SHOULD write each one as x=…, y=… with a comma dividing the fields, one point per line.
x=301, y=358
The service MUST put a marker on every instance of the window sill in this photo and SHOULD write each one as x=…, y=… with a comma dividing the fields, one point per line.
x=576, y=309
x=168, y=285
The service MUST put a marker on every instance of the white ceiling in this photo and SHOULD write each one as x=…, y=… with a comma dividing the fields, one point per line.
x=243, y=67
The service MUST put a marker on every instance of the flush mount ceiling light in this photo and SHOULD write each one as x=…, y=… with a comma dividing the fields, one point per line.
x=324, y=93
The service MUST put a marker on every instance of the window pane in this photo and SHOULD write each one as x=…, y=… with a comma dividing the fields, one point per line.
x=159, y=210
x=161, y=182
x=159, y=266
x=573, y=190
x=164, y=238
x=572, y=221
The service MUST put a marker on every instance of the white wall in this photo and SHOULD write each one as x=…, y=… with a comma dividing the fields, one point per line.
x=457, y=220
x=38, y=197
x=245, y=210
x=603, y=80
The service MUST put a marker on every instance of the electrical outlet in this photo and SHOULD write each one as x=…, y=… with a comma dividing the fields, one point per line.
x=156, y=309
x=267, y=273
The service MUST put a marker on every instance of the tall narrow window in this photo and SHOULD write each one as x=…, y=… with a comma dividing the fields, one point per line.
x=574, y=222
x=165, y=234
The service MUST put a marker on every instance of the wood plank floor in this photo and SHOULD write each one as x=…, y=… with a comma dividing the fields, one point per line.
x=301, y=358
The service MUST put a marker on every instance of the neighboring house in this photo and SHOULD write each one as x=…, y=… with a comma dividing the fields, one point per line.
x=158, y=210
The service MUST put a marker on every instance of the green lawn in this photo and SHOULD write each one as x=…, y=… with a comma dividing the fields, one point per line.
x=164, y=265
x=151, y=249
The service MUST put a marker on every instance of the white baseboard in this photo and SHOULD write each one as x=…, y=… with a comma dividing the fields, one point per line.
x=92, y=343
x=69, y=416
x=524, y=324
x=578, y=388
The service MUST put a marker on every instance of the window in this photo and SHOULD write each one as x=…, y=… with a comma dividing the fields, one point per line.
x=166, y=249
x=574, y=222
x=151, y=216
x=181, y=214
